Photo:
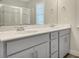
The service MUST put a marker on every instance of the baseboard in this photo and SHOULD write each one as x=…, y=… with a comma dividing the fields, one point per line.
x=75, y=53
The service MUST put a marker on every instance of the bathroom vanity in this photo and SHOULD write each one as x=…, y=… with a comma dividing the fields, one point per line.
x=51, y=42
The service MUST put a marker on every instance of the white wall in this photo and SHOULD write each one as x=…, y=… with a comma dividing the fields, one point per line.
x=51, y=12
x=68, y=13
x=75, y=38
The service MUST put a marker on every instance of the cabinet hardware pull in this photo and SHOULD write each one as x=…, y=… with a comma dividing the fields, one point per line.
x=36, y=54
x=32, y=55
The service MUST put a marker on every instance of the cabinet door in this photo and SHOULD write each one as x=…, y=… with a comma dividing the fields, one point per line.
x=62, y=46
x=25, y=54
x=42, y=51
x=67, y=44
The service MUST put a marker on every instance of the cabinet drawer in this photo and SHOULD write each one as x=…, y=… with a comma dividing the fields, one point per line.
x=54, y=45
x=25, y=54
x=18, y=45
x=64, y=32
x=55, y=55
x=54, y=35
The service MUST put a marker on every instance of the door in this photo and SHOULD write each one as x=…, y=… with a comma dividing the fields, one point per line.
x=42, y=51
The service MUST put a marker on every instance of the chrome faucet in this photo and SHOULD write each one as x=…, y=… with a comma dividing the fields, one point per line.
x=20, y=28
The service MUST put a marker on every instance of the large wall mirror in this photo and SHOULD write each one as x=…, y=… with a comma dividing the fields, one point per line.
x=27, y=12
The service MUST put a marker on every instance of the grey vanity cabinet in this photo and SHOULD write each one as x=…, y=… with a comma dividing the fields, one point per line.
x=54, y=44
x=64, y=42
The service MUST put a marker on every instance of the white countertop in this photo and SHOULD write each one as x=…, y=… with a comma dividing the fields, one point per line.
x=13, y=35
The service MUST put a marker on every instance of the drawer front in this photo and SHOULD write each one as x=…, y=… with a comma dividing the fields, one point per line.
x=54, y=45
x=64, y=32
x=16, y=46
x=54, y=35
x=55, y=55
x=25, y=54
